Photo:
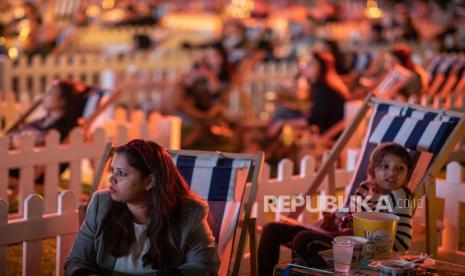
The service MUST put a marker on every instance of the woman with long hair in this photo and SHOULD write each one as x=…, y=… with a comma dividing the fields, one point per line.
x=63, y=104
x=417, y=84
x=147, y=222
x=328, y=94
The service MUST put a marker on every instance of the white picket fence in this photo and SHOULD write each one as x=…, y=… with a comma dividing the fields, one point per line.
x=164, y=130
x=50, y=156
x=150, y=73
x=32, y=76
x=286, y=184
x=35, y=226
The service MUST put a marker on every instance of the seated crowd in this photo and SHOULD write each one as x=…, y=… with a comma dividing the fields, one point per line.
x=161, y=227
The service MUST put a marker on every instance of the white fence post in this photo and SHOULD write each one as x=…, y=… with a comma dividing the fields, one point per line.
x=34, y=226
x=26, y=181
x=66, y=208
x=453, y=197
x=32, y=249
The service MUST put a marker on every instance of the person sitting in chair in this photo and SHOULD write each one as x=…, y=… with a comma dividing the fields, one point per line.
x=148, y=222
x=328, y=94
x=63, y=104
x=388, y=174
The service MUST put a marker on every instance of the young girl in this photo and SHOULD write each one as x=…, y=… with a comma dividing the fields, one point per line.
x=388, y=174
x=389, y=171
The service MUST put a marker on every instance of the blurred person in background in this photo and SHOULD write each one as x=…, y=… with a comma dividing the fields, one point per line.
x=328, y=94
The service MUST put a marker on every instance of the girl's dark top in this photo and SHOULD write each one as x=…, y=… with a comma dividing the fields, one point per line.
x=327, y=106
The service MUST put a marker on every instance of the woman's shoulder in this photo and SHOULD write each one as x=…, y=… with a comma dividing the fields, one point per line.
x=195, y=207
x=102, y=195
x=101, y=198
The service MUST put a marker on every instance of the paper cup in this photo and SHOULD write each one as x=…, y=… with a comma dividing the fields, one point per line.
x=380, y=231
x=359, y=244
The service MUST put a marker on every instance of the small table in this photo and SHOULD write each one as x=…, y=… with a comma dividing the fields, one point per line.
x=441, y=268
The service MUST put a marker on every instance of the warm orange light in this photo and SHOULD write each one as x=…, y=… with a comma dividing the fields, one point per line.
x=372, y=10
x=108, y=4
x=13, y=53
x=93, y=11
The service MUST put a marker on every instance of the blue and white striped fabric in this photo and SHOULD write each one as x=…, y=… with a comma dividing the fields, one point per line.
x=412, y=133
x=415, y=129
x=221, y=182
x=213, y=177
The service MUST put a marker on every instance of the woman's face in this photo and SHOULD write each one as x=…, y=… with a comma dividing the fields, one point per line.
x=313, y=70
x=126, y=183
x=52, y=100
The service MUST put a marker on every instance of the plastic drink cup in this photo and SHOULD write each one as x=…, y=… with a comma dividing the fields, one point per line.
x=359, y=244
x=342, y=254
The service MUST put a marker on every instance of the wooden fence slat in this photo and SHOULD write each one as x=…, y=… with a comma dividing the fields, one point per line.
x=32, y=249
x=52, y=174
x=66, y=205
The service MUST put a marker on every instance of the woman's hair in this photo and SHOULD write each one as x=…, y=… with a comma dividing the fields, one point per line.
x=167, y=195
x=73, y=95
x=328, y=73
x=403, y=54
x=378, y=154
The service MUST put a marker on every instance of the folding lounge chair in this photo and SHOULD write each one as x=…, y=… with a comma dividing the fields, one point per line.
x=450, y=86
x=442, y=74
x=220, y=179
x=92, y=101
x=415, y=127
x=395, y=78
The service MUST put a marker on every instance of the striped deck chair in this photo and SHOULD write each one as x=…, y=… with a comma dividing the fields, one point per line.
x=396, y=77
x=93, y=101
x=441, y=71
x=415, y=127
x=455, y=80
x=220, y=179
